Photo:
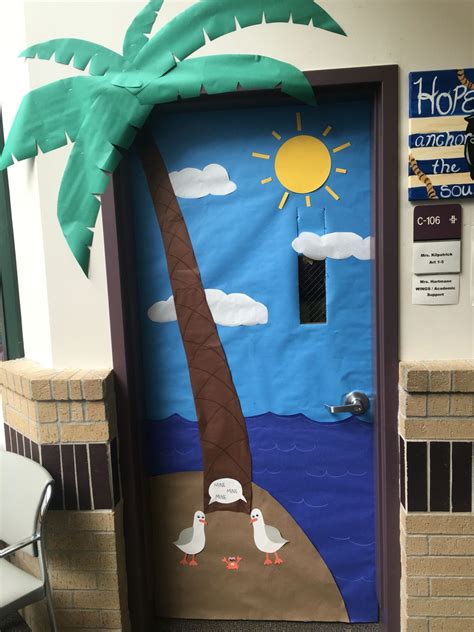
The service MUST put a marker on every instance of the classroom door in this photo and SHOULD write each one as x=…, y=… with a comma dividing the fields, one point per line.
x=255, y=302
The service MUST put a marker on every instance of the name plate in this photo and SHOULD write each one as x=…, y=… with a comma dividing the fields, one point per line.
x=436, y=256
x=439, y=289
x=437, y=222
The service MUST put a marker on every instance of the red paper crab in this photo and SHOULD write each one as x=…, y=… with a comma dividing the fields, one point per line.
x=232, y=562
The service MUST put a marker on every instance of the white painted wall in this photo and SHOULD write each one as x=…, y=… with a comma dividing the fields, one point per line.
x=65, y=314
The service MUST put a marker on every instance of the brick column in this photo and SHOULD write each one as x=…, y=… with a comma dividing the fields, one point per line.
x=66, y=421
x=436, y=424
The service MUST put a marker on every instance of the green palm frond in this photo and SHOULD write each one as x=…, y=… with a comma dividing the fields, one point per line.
x=47, y=114
x=183, y=35
x=101, y=114
x=80, y=52
x=224, y=73
x=136, y=35
x=111, y=125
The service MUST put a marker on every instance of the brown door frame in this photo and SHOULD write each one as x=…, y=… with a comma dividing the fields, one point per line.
x=380, y=83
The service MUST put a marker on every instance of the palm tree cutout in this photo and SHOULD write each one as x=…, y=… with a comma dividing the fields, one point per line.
x=101, y=115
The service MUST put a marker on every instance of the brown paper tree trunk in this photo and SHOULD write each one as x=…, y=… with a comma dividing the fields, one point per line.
x=222, y=427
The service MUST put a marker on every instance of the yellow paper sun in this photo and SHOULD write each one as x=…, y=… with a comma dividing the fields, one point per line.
x=303, y=163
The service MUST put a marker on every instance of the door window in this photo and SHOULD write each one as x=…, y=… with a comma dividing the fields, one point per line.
x=312, y=290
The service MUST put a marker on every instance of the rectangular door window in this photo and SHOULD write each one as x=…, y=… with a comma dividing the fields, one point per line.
x=312, y=290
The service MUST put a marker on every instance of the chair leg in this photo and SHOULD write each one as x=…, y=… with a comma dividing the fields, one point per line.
x=49, y=604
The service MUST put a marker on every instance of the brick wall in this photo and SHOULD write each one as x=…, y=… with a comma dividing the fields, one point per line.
x=436, y=425
x=66, y=421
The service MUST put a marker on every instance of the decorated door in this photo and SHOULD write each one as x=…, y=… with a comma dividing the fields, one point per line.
x=254, y=259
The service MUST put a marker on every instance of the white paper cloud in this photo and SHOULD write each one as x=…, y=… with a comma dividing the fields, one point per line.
x=194, y=183
x=230, y=310
x=333, y=246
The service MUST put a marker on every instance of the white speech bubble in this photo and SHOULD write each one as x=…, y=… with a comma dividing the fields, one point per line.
x=225, y=491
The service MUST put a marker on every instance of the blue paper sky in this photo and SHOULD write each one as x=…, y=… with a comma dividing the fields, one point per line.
x=243, y=244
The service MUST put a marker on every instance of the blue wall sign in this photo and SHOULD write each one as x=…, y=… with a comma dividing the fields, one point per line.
x=441, y=134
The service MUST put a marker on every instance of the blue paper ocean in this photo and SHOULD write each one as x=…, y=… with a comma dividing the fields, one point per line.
x=320, y=460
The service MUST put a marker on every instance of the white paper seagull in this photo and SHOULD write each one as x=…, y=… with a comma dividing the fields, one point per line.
x=193, y=539
x=267, y=539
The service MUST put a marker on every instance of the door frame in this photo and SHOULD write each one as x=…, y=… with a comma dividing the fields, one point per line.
x=380, y=83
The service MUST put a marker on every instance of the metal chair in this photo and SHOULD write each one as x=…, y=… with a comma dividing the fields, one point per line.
x=25, y=492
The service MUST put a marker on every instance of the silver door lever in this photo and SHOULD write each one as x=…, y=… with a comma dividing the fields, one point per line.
x=356, y=403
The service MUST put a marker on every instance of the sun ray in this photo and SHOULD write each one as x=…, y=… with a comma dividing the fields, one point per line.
x=284, y=197
x=298, y=122
x=341, y=147
x=327, y=130
x=332, y=193
x=340, y=170
x=308, y=200
x=255, y=154
x=276, y=135
x=266, y=180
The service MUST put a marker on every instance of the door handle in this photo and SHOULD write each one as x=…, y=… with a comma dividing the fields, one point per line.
x=355, y=402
